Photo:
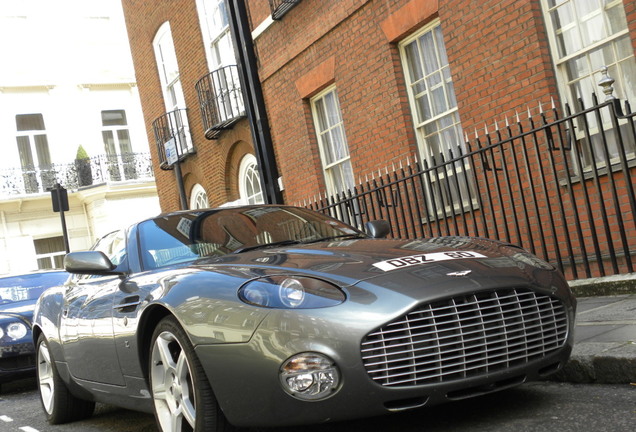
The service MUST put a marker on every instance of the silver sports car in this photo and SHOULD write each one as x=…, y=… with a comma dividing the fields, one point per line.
x=276, y=315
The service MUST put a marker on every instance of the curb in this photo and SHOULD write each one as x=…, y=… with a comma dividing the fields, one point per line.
x=600, y=363
x=604, y=286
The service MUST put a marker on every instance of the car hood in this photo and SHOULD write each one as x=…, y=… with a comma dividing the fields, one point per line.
x=21, y=310
x=397, y=264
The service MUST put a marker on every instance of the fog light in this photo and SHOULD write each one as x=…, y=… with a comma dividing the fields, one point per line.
x=309, y=376
x=16, y=331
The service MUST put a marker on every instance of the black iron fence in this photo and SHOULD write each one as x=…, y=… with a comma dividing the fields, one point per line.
x=76, y=174
x=560, y=186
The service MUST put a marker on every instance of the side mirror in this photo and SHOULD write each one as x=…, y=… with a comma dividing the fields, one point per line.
x=378, y=228
x=89, y=262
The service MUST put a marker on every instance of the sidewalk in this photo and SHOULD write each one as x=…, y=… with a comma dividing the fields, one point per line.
x=604, y=341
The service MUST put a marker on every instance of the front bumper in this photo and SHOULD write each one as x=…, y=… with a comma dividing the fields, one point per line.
x=17, y=360
x=245, y=377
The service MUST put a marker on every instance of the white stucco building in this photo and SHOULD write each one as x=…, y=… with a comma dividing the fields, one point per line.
x=67, y=90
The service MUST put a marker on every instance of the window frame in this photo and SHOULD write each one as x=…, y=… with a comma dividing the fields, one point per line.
x=249, y=177
x=328, y=168
x=439, y=203
x=589, y=148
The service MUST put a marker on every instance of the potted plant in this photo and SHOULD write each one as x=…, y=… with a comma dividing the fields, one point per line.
x=83, y=167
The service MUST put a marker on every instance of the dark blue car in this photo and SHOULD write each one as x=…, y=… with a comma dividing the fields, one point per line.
x=18, y=294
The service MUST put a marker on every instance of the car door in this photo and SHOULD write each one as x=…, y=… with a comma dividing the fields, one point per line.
x=87, y=319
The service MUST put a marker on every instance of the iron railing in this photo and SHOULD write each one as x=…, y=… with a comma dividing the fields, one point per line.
x=559, y=186
x=220, y=100
x=281, y=7
x=173, y=133
x=74, y=175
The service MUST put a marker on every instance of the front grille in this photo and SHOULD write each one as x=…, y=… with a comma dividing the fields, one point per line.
x=465, y=336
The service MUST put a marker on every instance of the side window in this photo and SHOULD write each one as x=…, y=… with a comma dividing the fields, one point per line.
x=114, y=246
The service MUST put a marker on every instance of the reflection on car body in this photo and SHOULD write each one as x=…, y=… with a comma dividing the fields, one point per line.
x=276, y=315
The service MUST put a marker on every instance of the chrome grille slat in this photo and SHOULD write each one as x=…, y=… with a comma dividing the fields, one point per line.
x=451, y=336
x=465, y=336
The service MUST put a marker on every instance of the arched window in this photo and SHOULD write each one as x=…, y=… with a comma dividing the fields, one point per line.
x=249, y=181
x=198, y=198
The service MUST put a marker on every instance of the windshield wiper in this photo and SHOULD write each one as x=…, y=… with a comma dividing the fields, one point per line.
x=342, y=236
x=267, y=245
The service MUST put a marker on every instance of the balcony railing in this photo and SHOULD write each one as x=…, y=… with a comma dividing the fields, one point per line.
x=220, y=100
x=173, y=133
x=77, y=174
x=281, y=7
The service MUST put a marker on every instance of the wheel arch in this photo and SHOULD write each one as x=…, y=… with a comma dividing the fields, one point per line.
x=149, y=320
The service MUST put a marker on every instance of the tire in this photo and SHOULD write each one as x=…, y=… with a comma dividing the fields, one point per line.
x=59, y=405
x=182, y=396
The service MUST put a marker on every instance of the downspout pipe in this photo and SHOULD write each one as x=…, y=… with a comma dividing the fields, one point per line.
x=254, y=101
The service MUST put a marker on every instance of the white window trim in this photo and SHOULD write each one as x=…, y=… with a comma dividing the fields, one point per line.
x=422, y=144
x=331, y=186
x=247, y=163
x=197, y=196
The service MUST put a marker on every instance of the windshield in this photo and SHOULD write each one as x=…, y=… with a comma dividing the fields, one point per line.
x=186, y=236
x=28, y=286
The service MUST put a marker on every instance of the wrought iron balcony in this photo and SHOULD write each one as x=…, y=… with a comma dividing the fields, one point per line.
x=220, y=100
x=77, y=174
x=172, y=132
x=281, y=7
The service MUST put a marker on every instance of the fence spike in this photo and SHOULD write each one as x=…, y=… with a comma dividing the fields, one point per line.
x=529, y=114
x=540, y=107
x=606, y=83
x=485, y=128
x=517, y=114
x=465, y=136
x=507, y=124
x=496, y=126
x=552, y=102
x=476, y=136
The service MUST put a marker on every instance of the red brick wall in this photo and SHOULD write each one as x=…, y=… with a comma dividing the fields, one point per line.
x=211, y=166
x=499, y=57
x=497, y=50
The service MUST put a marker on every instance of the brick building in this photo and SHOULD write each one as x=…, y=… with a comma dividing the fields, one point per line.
x=356, y=88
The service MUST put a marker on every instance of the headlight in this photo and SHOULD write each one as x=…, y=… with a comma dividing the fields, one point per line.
x=309, y=376
x=16, y=330
x=291, y=292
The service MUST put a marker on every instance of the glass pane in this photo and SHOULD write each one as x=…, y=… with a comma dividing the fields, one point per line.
x=114, y=118
x=24, y=149
x=124, y=141
x=45, y=264
x=333, y=111
x=49, y=245
x=327, y=147
x=593, y=29
x=585, y=7
x=413, y=62
x=42, y=149
x=616, y=19
x=29, y=122
x=428, y=50
x=109, y=142
x=320, y=114
x=423, y=108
